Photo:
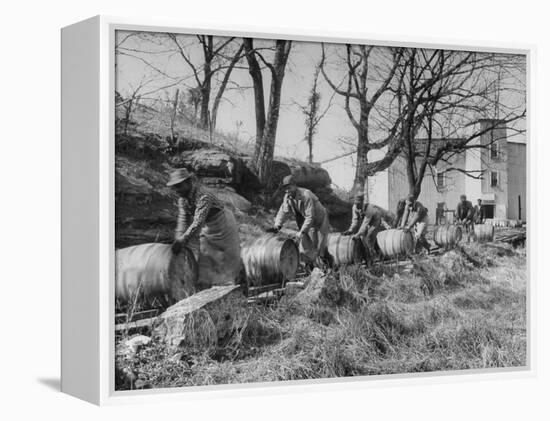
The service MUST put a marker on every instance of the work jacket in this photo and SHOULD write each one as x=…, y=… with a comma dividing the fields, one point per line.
x=465, y=210
x=367, y=216
x=306, y=208
x=194, y=211
x=414, y=213
x=479, y=214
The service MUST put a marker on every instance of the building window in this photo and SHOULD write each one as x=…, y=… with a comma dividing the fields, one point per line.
x=494, y=150
x=440, y=180
x=494, y=178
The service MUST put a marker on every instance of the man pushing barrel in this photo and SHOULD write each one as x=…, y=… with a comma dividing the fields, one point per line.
x=207, y=228
x=366, y=222
x=311, y=218
x=465, y=214
x=415, y=215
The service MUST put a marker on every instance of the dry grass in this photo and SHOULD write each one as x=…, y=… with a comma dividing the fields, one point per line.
x=444, y=314
x=150, y=120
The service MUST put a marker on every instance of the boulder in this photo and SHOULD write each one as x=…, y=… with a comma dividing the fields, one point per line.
x=313, y=287
x=203, y=320
x=209, y=163
x=309, y=175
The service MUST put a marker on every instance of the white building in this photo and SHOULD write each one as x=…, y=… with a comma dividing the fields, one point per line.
x=502, y=186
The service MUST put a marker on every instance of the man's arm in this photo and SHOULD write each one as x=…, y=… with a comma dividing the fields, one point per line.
x=420, y=213
x=405, y=217
x=471, y=212
x=364, y=225
x=309, y=210
x=385, y=220
x=202, y=209
x=414, y=220
x=355, y=216
x=282, y=213
x=397, y=221
x=182, y=222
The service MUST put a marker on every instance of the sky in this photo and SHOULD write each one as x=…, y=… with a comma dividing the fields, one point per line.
x=153, y=59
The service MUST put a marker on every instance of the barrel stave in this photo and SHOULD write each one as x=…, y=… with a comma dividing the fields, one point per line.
x=484, y=232
x=270, y=259
x=152, y=270
x=343, y=249
x=395, y=243
x=447, y=236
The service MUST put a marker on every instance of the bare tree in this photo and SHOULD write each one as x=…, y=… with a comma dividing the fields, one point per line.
x=441, y=95
x=173, y=116
x=266, y=123
x=370, y=72
x=217, y=58
x=129, y=105
x=313, y=113
x=211, y=73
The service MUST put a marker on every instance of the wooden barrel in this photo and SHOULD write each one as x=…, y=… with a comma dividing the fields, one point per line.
x=447, y=236
x=395, y=243
x=270, y=259
x=484, y=232
x=343, y=249
x=152, y=270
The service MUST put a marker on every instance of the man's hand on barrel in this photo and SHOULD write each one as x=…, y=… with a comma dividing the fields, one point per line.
x=298, y=236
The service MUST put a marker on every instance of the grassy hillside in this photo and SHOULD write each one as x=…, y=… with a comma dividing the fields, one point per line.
x=444, y=313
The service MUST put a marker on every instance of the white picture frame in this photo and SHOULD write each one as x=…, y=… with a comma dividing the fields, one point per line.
x=88, y=214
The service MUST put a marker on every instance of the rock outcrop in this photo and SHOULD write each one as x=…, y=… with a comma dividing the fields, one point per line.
x=145, y=208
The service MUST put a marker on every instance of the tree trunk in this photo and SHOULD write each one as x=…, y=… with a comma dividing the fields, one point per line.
x=205, y=99
x=223, y=85
x=206, y=85
x=266, y=126
x=128, y=114
x=258, y=85
x=362, y=153
x=310, y=146
x=174, y=115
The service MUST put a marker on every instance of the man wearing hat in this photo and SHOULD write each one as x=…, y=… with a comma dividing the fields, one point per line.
x=415, y=216
x=367, y=221
x=207, y=228
x=311, y=218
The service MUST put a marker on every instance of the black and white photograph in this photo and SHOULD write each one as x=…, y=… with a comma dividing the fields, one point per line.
x=289, y=210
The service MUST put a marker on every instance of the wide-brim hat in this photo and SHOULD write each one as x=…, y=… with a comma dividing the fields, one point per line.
x=179, y=175
x=287, y=181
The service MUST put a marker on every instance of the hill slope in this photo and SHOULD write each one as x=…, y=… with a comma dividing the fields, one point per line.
x=145, y=209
